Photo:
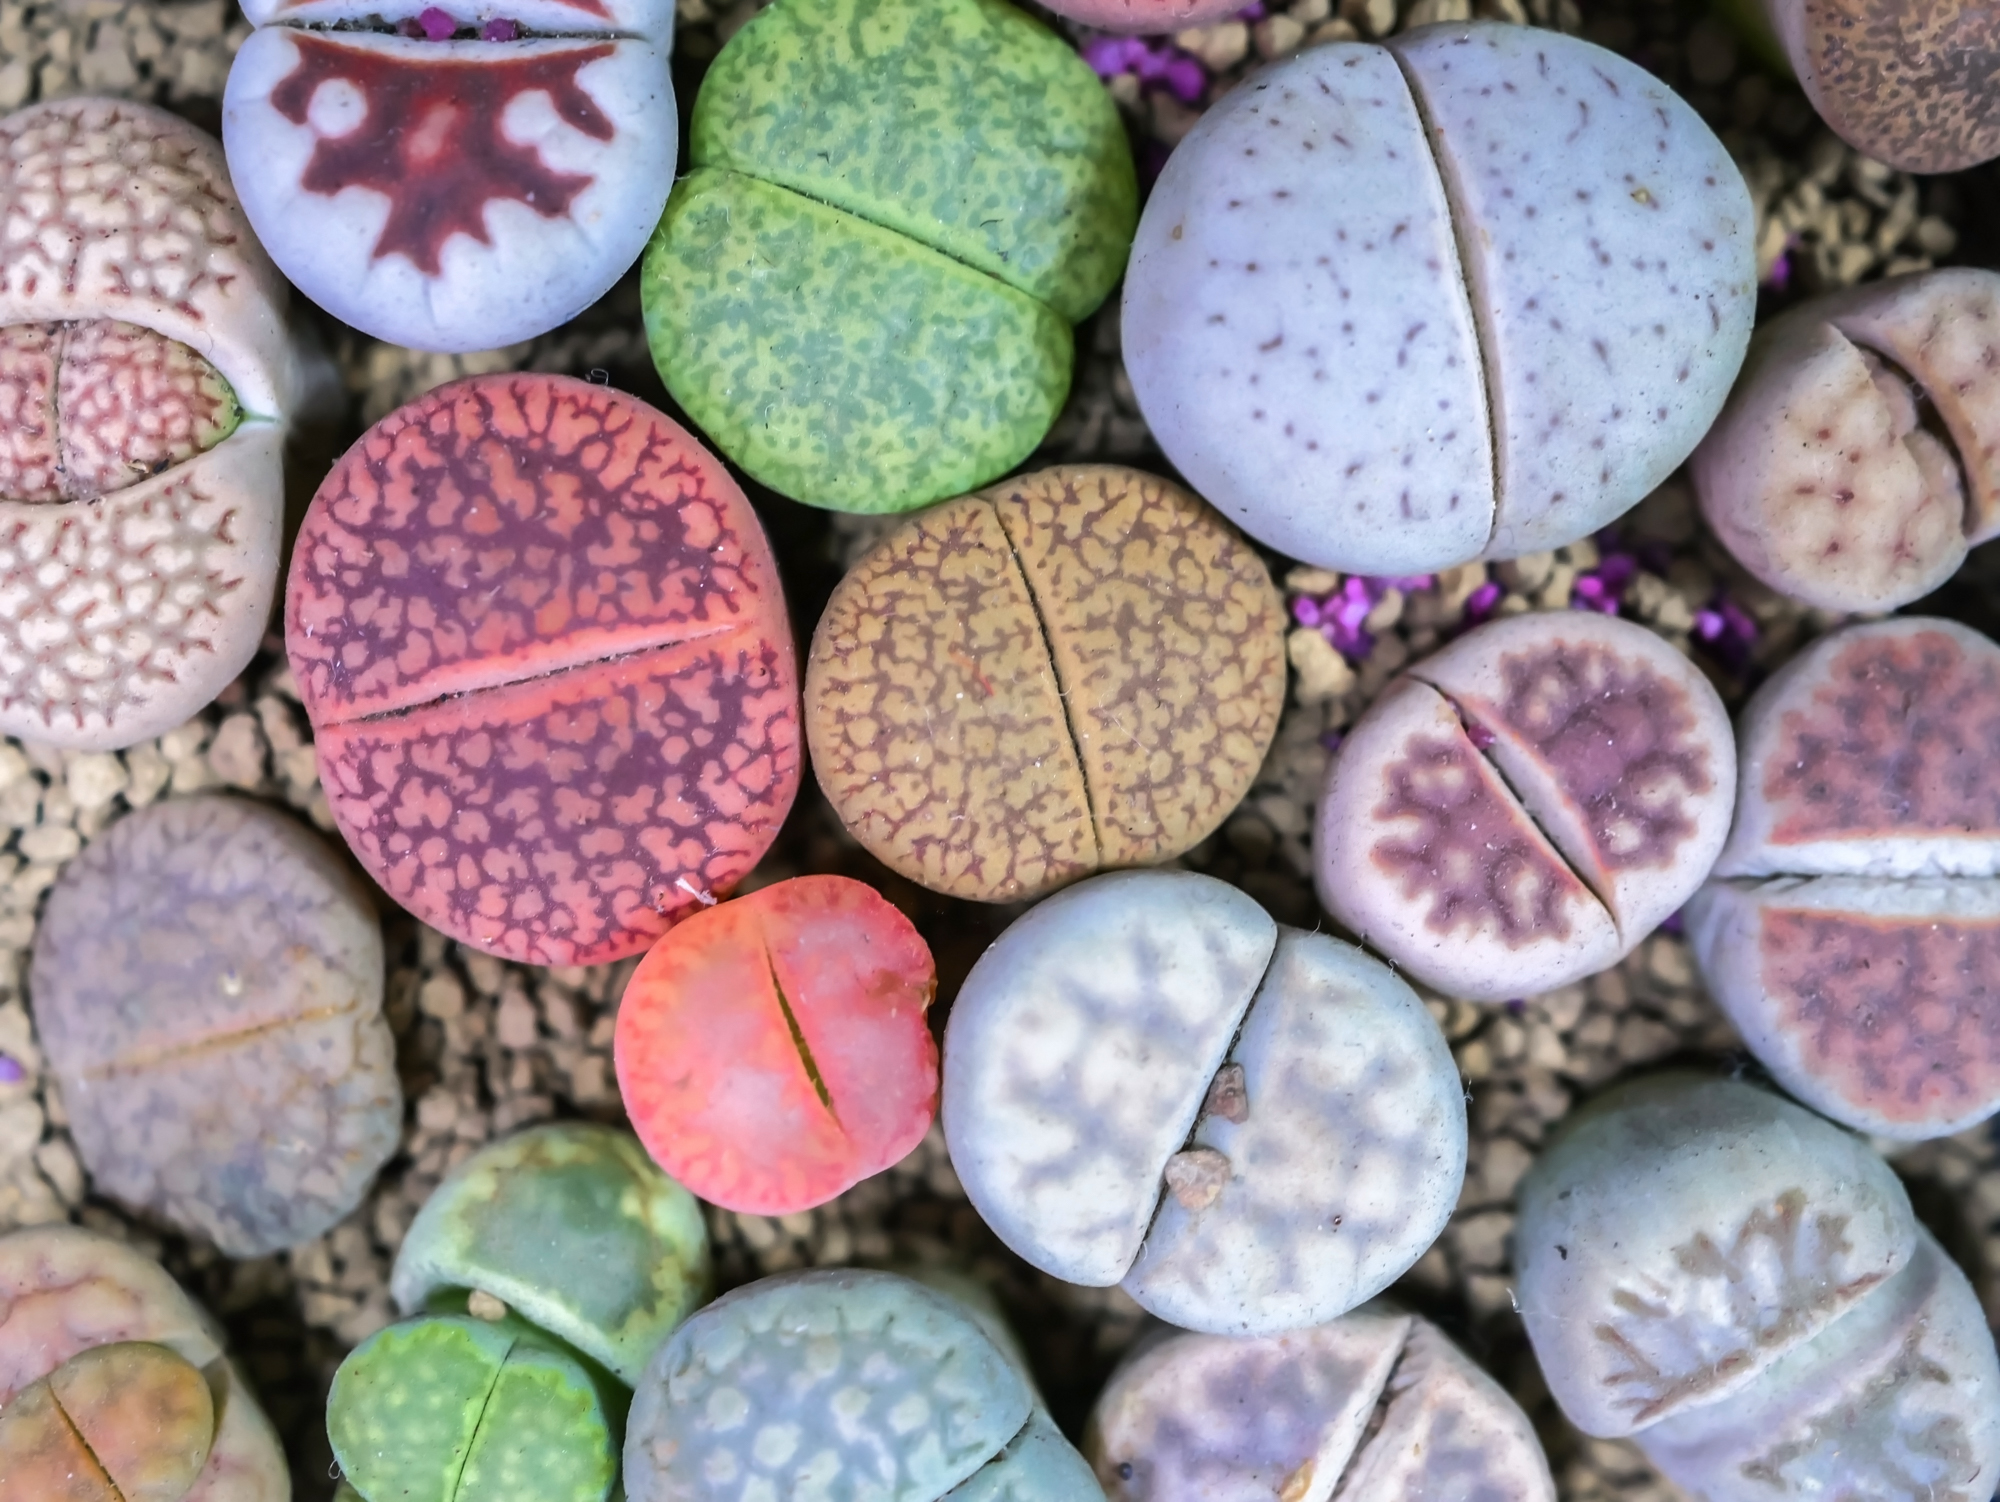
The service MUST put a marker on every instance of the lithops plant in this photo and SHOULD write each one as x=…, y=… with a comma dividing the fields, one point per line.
x=1078, y=668
x=540, y=636
x=1852, y=931
x=841, y=1383
x=1472, y=292
x=1251, y=1128
x=146, y=380
x=117, y=1423
x=863, y=290
x=774, y=1051
x=1146, y=15
x=1741, y=1287
x=1859, y=455
x=1524, y=807
x=207, y=980
x=454, y=177
x=1377, y=1404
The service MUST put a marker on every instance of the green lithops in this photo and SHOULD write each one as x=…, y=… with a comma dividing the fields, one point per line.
x=863, y=290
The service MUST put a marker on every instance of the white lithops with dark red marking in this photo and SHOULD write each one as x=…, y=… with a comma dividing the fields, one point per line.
x=1470, y=292
x=454, y=177
x=1859, y=455
x=1525, y=806
x=1852, y=932
x=1148, y=1081
x=146, y=378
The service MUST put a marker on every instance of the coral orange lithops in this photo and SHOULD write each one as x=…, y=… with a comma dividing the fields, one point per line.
x=540, y=636
x=773, y=1051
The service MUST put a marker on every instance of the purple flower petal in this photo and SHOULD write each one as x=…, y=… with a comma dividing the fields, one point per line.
x=1479, y=604
x=11, y=1072
x=1187, y=79
x=438, y=25
x=501, y=31
x=1305, y=610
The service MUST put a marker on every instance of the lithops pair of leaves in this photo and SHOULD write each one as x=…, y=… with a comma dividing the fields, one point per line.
x=1470, y=293
x=207, y=980
x=1741, y=1287
x=1859, y=455
x=843, y=1385
x=146, y=378
x=1852, y=932
x=1524, y=807
x=114, y=1386
x=1377, y=1406
x=774, y=1051
x=1251, y=1128
x=554, y=1263
x=1079, y=668
x=863, y=290
x=455, y=177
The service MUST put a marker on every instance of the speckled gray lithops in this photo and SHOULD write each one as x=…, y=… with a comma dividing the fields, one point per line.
x=1377, y=1406
x=1742, y=1287
x=207, y=978
x=842, y=1384
x=1859, y=455
x=1527, y=805
x=1469, y=293
x=1852, y=932
x=1252, y=1128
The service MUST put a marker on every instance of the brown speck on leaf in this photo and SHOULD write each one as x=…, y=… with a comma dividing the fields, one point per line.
x=1196, y=1177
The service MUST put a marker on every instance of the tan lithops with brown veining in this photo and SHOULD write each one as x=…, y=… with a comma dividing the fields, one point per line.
x=1076, y=669
x=118, y=1423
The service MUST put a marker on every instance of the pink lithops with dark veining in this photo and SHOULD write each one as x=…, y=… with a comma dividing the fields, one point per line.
x=1853, y=930
x=1527, y=805
x=1859, y=455
x=454, y=177
x=146, y=377
x=540, y=636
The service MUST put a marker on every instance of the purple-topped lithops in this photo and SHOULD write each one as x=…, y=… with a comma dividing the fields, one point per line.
x=1469, y=293
x=1743, y=1289
x=1852, y=932
x=1252, y=1128
x=454, y=177
x=1525, y=806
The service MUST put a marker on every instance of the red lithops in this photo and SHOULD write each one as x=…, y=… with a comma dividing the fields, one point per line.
x=540, y=636
x=773, y=1051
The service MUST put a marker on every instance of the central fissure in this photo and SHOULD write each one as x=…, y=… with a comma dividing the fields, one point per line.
x=799, y=1044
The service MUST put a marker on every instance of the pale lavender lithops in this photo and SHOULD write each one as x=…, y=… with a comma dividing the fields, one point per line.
x=1525, y=806
x=1742, y=1288
x=1859, y=455
x=1148, y=1082
x=1470, y=292
x=1377, y=1404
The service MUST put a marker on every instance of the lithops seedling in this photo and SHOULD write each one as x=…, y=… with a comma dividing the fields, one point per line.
x=1859, y=455
x=1376, y=1404
x=1852, y=932
x=454, y=177
x=1079, y=668
x=1741, y=1287
x=540, y=636
x=863, y=290
x=1469, y=293
x=207, y=980
x=774, y=1051
x=146, y=378
x=1251, y=1128
x=1524, y=807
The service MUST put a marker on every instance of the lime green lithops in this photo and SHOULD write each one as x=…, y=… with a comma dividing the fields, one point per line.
x=863, y=290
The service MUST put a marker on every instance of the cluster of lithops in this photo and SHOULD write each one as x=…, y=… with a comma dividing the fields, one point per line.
x=207, y=981
x=146, y=378
x=1527, y=805
x=551, y=1265
x=114, y=1386
x=863, y=290
x=1470, y=293
x=1149, y=1082
x=1377, y=1404
x=1852, y=932
x=1079, y=668
x=540, y=636
x=456, y=177
x=1742, y=1288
